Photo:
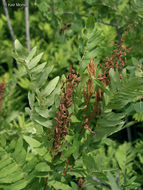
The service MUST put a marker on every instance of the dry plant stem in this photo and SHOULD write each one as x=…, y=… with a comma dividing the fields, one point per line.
x=9, y=24
x=46, y=183
x=65, y=172
x=27, y=24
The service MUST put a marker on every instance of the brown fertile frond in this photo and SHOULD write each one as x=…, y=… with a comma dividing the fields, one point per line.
x=116, y=61
x=92, y=68
x=89, y=91
x=80, y=183
x=90, y=88
x=87, y=94
x=63, y=120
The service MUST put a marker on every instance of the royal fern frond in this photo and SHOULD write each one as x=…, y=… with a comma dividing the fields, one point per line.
x=16, y=170
x=109, y=121
x=42, y=94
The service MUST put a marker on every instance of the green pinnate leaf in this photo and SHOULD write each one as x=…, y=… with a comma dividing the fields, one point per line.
x=138, y=107
x=34, y=61
x=31, y=54
x=50, y=87
x=31, y=141
x=43, y=167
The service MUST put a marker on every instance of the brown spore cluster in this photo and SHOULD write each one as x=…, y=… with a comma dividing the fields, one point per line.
x=116, y=61
x=63, y=120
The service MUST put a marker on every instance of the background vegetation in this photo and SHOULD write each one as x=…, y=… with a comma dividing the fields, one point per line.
x=88, y=136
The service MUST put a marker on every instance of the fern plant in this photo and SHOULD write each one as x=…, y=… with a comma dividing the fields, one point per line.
x=67, y=119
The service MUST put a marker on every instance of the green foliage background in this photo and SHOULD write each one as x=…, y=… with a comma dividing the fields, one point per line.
x=70, y=33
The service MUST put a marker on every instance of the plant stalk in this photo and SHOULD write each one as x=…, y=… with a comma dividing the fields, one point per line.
x=27, y=24
x=9, y=24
